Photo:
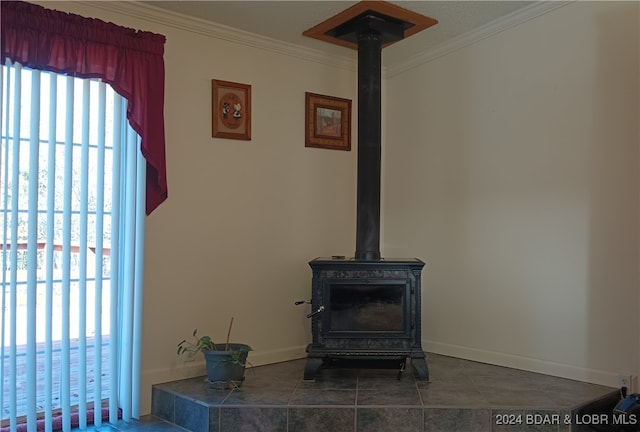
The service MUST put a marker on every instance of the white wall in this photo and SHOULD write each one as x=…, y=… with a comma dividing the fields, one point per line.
x=243, y=218
x=512, y=169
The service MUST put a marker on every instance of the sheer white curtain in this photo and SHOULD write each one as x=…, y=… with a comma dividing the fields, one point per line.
x=72, y=208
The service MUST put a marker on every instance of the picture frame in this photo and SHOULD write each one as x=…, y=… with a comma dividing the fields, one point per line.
x=230, y=110
x=327, y=122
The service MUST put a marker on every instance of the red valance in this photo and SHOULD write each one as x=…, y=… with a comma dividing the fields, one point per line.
x=131, y=61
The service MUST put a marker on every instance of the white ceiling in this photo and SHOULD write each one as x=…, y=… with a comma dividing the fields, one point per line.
x=286, y=20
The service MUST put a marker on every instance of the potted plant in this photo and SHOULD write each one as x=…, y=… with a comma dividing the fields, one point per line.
x=225, y=362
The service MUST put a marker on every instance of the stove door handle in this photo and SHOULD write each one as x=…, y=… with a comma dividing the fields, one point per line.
x=319, y=310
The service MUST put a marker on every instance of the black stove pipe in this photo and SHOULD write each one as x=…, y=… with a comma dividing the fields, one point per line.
x=369, y=146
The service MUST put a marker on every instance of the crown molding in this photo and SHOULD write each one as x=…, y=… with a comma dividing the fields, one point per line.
x=494, y=27
x=219, y=31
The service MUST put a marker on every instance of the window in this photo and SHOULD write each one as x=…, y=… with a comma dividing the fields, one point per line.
x=63, y=176
x=131, y=62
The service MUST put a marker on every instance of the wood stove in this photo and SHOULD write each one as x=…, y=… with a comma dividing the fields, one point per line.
x=366, y=311
x=367, y=308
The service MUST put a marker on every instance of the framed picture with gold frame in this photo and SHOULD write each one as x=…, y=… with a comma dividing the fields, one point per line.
x=230, y=110
x=327, y=122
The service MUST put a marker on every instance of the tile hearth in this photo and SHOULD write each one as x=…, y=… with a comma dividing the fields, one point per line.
x=461, y=396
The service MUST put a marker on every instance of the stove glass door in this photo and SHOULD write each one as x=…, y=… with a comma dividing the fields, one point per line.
x=367, y=307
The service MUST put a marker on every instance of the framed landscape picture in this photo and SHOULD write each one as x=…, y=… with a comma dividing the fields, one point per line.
x=327, y=122
x=230, y=110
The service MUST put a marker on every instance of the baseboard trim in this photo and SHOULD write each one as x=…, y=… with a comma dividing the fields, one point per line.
x=259, y=358
x=546, y=367
x=263, y=357
x=183, y=370
x=189, y=369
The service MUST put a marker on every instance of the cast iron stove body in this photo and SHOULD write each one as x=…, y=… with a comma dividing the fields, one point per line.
x=366, y=311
